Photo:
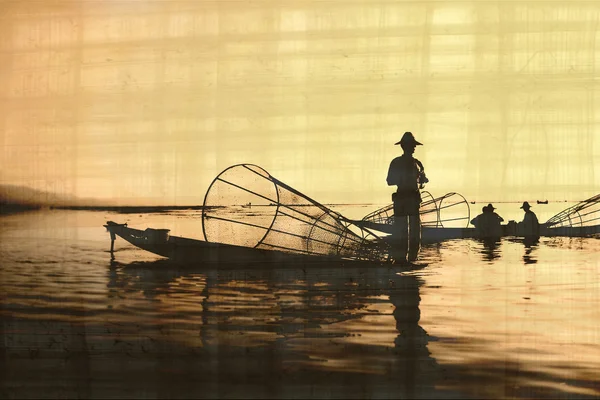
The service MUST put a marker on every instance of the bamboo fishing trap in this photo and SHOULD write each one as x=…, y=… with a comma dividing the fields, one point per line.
x=583, y=214
x=447, y=211
x=246, y=206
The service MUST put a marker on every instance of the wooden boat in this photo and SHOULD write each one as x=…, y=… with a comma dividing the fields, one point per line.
x=297, y=230
x=580, y=220
x=193, y=251
x=186, y=250
x=438, y=234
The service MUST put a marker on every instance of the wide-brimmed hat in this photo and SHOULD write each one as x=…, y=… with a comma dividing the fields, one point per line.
x=490, y=207
x=408, y=138
x=525, y=205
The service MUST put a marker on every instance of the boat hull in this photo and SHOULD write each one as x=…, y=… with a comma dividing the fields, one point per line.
x=192, y=251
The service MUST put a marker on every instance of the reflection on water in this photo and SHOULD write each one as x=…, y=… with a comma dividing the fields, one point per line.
x=490, y=248
x=411, y=342
x=531, y=244
x=513, y=318
x=357, y=327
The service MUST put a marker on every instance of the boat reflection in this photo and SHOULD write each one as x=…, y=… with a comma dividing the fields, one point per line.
x=331, y=327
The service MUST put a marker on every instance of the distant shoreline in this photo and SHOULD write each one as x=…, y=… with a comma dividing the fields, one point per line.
x=150, y=209
x=127, y=209
x=15, y=208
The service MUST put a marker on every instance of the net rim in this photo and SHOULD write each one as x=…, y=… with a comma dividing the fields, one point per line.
x=267, y=176
x=450, y=194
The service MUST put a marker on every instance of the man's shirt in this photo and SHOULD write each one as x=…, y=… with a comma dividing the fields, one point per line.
x=531, y=226
x=404, y=173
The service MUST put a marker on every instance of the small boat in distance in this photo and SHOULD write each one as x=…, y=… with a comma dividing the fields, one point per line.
x=542, y=201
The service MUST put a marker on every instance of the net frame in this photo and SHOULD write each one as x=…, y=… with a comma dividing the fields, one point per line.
x=323, y=231
x=575, y=216
x=440, y=207
x=431, y=205
x=385, y=215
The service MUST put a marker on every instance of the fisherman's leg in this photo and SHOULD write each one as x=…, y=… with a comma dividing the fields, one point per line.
x=414, y=242
x=401, y=240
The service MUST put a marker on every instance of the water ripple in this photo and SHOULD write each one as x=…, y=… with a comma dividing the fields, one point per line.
x=507, y=319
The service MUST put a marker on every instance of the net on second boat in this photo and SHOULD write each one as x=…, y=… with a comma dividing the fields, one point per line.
x=385, y=215
x=447, y=211
x=583, y=214
x=246, y=206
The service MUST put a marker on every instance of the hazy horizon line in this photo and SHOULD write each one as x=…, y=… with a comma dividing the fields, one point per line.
x=167, y=205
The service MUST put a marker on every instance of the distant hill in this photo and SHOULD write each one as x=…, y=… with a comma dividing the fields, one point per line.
x=14, y=194
x=14, y=198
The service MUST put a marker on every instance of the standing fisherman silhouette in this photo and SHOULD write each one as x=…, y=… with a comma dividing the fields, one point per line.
x=407, y=173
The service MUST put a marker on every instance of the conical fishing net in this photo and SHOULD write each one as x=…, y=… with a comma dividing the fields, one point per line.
x=453, y=211
x=450, y=210
x=246, y=206
x=385, y=215
x=428, y=210
x=583, y=214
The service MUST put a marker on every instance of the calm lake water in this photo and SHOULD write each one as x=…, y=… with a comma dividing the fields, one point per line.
x=509, y=320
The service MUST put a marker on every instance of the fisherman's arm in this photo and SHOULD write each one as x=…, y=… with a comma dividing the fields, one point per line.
x=422, y=178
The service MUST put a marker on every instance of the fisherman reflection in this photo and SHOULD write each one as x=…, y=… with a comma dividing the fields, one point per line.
x=490, y=248
x=408, y=175
x=530, y=243
x=417, y=367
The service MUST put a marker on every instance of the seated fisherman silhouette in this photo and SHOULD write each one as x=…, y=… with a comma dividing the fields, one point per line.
x=408, y=175
x=479, y=219
x=530, y=225
x=487, y=224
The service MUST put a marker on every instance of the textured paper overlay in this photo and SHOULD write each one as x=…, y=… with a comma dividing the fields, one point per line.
x=107, y=103
x=144, y=102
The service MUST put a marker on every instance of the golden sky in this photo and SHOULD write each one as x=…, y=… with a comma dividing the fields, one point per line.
x=147, y=101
